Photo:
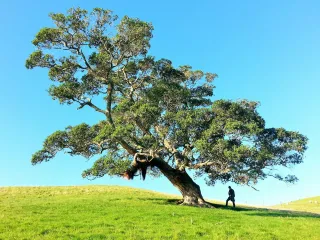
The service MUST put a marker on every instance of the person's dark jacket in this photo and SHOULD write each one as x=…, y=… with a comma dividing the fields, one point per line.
x=231, y=193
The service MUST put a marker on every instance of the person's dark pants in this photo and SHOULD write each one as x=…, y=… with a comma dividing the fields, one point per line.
x=232, y=200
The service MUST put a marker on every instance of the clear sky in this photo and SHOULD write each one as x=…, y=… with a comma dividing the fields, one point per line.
x=266, y=51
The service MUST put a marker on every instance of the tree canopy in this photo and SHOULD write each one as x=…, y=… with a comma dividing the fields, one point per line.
x=158, y=117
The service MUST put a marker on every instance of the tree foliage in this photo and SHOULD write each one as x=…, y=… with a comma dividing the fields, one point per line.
x=152, y=108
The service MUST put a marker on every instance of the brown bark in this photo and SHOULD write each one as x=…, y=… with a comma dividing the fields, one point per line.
x=190, y=191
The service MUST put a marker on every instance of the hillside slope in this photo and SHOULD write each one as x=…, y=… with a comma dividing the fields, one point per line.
x=307, y=205
x=105, y=212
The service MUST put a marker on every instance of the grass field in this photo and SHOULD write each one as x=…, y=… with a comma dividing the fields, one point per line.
x=306, y=205
x=105, y=212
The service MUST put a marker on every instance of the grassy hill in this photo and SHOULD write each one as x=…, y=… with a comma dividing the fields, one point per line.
x=104, y=212
x=306, y=205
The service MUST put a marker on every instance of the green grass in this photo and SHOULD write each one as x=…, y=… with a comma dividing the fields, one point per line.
x=104, y=212
x=302, y=205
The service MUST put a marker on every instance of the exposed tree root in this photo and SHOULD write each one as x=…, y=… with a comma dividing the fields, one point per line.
x=202, y=204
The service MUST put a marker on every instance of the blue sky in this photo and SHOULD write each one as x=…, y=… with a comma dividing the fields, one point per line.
x=266, y=51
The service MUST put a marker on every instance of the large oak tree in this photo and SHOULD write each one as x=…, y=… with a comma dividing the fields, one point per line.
x=159, y=119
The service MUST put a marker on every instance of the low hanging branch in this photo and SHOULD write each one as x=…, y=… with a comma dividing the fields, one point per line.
x=141, y=161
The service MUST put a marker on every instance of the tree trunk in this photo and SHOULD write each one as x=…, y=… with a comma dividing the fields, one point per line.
x=180, y=179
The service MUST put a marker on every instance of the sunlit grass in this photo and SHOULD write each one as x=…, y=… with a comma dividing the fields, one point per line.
x=105, y=212
x=306, y=204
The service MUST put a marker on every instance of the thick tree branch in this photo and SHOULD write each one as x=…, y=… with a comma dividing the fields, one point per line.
x=180, y=160
x=143, y=128
x=84, y=59
x=109, y=103
x=90, y=104
x=127, y=147
x=199, y=165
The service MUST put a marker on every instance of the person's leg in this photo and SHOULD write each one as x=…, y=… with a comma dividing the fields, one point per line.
x=233, y=202
x=227, y=201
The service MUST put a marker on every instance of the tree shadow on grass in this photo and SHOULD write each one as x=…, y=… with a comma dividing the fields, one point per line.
x=252, y=211
x=267, y=212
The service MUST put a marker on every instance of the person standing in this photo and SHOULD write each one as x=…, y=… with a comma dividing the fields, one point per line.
x=231, y=197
